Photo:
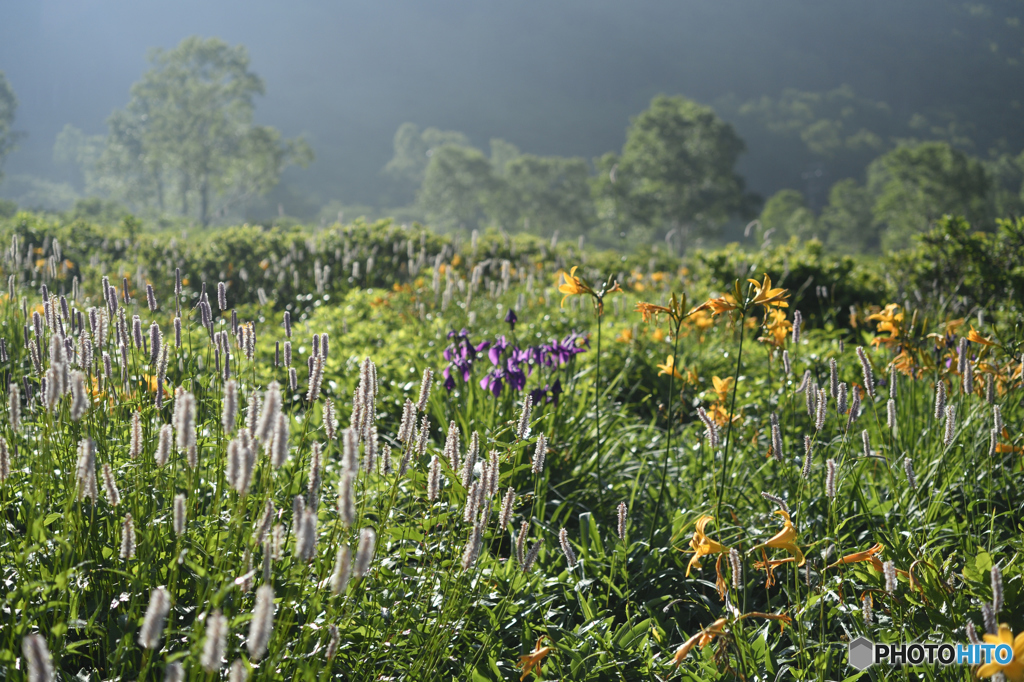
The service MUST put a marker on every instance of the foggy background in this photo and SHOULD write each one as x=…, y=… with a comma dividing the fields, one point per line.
x=553, y=78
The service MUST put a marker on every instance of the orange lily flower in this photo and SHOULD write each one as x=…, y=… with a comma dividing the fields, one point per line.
x=785, y=539
x=625, y=336
x=649, y=311
x=1014, y=670
x=767, y=296
x=704, y=637
x=866, y=555
x=531, y=662
x=717, y=305
x=978, y=338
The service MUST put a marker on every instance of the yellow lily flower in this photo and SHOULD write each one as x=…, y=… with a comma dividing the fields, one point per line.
x=767, y=296
x=572, y=285
x=785, y=539
x=722, y=387
x=1014, y=670
x=702, y=545
x=670, y=368
x=531, y=662
x=625, y=336
x=778, y=328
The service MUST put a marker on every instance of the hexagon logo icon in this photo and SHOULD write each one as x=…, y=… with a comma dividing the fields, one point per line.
x=862, y=653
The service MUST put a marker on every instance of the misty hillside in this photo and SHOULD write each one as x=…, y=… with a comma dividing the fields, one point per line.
x=551, y=78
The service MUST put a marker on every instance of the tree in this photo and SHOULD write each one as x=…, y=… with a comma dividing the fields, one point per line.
x=541, y=194
x=188, y=133
x=8, y=105
x=413, y=149
x=458, y=185
x=847, y=220
x=676, y=170
x=787, y=214
x=915, y=184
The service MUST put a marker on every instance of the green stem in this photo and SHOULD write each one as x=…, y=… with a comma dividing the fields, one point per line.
x=732, y=409
x=668, y=443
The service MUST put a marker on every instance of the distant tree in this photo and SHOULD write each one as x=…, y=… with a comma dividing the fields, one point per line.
x=75, y=148
x=787, y=214
x=8, y=105
x=915, y=184
x=542, y=194
x=502, y=153
x=847, y=220
x=458, y=186
x=676, y=170
x=413, y=149
x=1007, y=174
x=188, y=133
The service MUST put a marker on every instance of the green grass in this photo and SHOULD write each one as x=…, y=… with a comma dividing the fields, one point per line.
x=422, y=611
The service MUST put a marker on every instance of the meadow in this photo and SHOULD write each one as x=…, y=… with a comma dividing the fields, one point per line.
x=374, y=452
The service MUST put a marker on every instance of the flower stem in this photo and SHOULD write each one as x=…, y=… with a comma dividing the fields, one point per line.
x=668, y=441
x=732, y=409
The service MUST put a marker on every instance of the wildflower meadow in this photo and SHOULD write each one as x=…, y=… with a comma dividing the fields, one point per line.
x=373, y=452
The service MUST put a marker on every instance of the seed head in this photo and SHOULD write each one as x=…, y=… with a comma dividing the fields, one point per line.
x=425, y=384
x=776, y=437
x=451, y=446
x=109, y=485
x=622, y=509
x=735, y=568
x=262, y=623
x=889, y=569
x=507, y=504
x=997, y=589
x=156, y=614
x=539, y=454
x=570, y=556
x=808, y=449
x=279, y=449
x=867, y=371
x=940, y=399
x=531, y=556
x=433, y=478
x=950, y=431
x=127, y=537
x=364, y=552
x=229, y=407
x=342, y=570
x=179, y=514
x=215, y=643
x=86, y=470
x=335, y=641
x=37, y=655
x=908, y=468
x=830, y=479
x=346, y=499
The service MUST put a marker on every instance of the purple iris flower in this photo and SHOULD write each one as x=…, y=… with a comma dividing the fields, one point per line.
x=499, y=346
x=511, y=319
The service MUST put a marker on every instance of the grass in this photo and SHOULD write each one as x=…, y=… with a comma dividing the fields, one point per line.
x=445, y=594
